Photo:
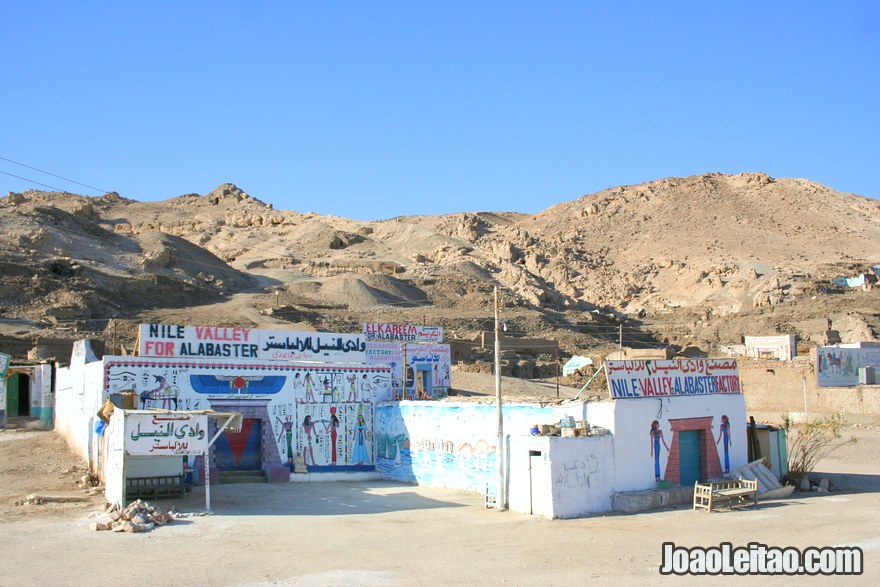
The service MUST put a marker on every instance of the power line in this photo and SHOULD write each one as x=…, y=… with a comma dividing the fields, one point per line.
x=217, y=236
x=53, y=175
x=45, y=185
x=172, y=212
x=598, y=331
x=131, y=212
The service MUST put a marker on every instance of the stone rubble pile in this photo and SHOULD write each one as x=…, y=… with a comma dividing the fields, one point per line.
x=824, y=485
x=138, y=516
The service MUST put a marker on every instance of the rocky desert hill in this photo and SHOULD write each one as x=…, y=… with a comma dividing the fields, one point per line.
x=700, y=260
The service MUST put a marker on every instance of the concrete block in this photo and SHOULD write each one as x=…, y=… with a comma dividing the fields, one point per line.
x=633, y=502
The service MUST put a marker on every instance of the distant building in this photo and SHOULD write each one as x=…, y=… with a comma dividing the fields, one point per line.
x=463, y=349
x=782, y=347
x=574, y=364
x=630, y=354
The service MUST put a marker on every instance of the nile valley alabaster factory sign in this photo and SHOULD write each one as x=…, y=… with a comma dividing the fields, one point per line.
x=686, y=377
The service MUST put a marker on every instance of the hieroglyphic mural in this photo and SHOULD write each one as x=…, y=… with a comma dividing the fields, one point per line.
x=321, y=411
x=337, y=436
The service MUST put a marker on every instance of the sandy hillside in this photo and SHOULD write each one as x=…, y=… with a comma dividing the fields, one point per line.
x=697, y=260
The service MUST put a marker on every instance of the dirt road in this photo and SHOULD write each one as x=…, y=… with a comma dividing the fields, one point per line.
x=381, y=533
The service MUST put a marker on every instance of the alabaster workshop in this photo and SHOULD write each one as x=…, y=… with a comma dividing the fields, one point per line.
x=198, y=405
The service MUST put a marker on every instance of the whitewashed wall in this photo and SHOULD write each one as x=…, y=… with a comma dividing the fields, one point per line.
x=582, y=473
x=572, y=477
x=634, y=465
x=114, y=461
x=601, y=414
x=42, y=397
x=78, y=395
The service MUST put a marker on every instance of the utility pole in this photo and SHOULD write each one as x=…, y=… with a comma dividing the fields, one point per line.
x=500, y=497
x=557, y=368
x=620, y=342
x=403, y=390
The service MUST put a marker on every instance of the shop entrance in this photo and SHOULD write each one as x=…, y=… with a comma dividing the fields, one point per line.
x=537, y=482
x=18, y=396
x=424, y=381
x=689, y=457
x=692, y=455
x=240, y=451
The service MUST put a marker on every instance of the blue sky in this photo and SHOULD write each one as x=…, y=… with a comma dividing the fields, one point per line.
x=371, y=110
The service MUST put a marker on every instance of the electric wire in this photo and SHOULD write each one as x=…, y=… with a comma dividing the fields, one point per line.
x=45, y=185
x=599, y=331
x=164, y=209
x=53, y=175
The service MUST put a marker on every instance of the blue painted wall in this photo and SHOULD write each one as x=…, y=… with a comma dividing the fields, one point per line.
x=445, y=444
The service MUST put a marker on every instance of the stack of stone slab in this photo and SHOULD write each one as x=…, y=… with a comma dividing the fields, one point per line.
x=768, y=485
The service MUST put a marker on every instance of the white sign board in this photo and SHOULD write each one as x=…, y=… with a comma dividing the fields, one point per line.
x=383, y=332
x=4, y=363
x=222, y=342
x=166, y=434
x=685, y=377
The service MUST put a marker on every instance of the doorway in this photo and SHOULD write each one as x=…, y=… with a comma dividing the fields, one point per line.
x=693, y=454
x=690, y=457
x=424, y=382
x=240, y=451
x=18, y=395
x=537, y=483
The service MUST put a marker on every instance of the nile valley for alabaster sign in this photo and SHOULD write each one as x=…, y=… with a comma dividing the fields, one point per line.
x=164, y=340
x=686, y=377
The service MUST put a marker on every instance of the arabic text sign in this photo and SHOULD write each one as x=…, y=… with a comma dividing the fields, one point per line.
x=163, y=340
x=166, y=434
x=4, y=363
x=382, y=332
x=628, y=379
x=311, y=346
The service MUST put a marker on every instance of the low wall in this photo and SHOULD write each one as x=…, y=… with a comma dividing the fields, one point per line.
x=451, y=444
x=773, y=388
x=561, y=477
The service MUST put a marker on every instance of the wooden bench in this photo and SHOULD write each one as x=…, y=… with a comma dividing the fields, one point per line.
x=156, y=486
x=730, y=491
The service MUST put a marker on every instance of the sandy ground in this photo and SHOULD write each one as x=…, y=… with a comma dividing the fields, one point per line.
x=382, y=533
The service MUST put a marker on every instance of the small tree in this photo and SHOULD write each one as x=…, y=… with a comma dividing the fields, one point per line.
x=812, y=442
